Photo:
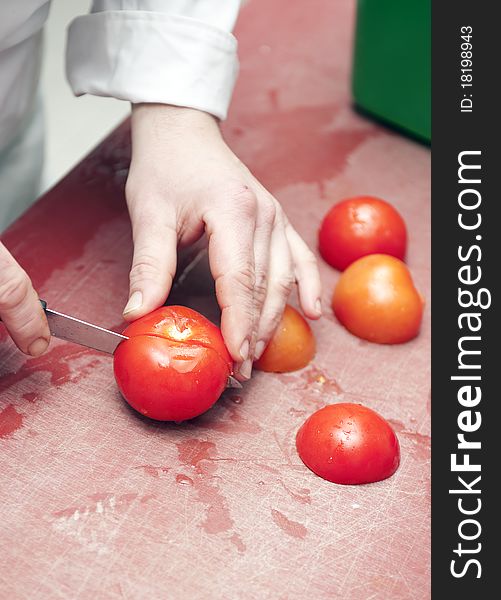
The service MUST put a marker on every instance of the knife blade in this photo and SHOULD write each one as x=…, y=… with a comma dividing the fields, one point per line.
x=71, y=329
x=75, y=330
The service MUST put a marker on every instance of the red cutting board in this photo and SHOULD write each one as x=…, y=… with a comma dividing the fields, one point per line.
x=96, y=502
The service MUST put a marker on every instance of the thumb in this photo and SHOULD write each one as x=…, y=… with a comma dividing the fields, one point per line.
x=20, y=309
x=153, y=265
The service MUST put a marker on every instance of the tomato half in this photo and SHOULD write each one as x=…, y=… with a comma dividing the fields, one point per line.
x=348, y=443
x=375, y=299
x=174, y=366
x=292, y=346
x=359, y=226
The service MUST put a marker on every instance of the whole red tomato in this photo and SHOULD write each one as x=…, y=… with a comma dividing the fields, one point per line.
x=375, y=299
x=174, y=365
x=292, y=346
x=356, y=227
x=348, y=443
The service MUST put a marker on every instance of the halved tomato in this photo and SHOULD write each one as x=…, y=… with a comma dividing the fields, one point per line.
x=348, y=443
x=292, y=346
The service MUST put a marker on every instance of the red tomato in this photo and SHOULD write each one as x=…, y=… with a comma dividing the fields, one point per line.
x=348, y=443
x=174, y=365
x=292, y=346
x=360, y=226
x=375, y=299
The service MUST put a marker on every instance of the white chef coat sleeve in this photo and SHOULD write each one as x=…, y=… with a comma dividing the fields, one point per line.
x=179, y=52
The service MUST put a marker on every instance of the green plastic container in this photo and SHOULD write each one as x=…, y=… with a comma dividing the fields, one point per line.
x=392, y=63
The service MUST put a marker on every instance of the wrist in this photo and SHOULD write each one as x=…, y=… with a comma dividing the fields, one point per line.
x=172, y=118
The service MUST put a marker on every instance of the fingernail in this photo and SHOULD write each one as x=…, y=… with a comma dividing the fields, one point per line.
x=135, y=302
x=38, y=347
x=244, y=351
x=318, y=306
x=246, y=368
x=260, y=346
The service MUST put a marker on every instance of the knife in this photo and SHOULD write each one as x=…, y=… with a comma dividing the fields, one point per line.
x=80, y=332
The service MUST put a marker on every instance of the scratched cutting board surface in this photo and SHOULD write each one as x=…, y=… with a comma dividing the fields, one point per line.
x=96, y=502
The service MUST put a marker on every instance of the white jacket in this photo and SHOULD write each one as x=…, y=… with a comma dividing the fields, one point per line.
x=177, y=52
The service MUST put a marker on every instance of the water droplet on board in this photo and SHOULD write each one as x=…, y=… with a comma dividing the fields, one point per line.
x=184, y=479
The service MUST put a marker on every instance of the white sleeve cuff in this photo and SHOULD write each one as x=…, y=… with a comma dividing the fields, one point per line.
x=145, y=56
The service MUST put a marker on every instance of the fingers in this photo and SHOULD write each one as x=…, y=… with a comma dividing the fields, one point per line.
x=231, y=257
x=154, y=261
x=265, y=223
x=280, y=281
x=20, y=309
x=306, y=272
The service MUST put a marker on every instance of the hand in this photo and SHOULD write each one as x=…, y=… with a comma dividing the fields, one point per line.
x=184, y=180
x=20, y=309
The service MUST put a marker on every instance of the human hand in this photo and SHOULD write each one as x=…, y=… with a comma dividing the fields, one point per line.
x=184, y=180
x=20, y=309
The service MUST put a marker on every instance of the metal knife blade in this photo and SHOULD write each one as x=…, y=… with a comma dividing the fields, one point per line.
x=75, y=330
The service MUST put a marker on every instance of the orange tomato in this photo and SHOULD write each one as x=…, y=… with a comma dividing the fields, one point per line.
x=292, y=346
x=375, y=299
